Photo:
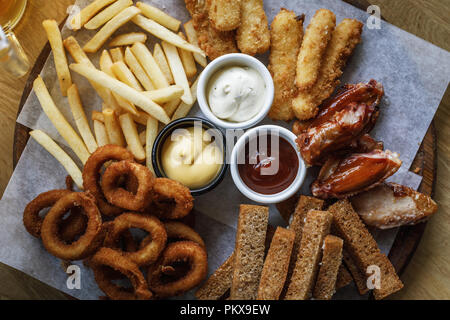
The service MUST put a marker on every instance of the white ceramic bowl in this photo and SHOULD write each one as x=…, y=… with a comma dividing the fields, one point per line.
x=234, y=59
x=239, y=149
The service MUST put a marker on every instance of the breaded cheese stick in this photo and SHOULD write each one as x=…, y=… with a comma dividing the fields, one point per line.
x=253, y=34
x=276, y=265
x=225, y=15
x=285, y=39
x=315, y=42
x=345, y=38
x=213, y=42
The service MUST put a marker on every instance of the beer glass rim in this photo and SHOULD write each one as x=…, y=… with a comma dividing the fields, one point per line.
x=11, y=24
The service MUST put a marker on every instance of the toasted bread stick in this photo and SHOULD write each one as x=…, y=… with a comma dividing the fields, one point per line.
x=345, y=38
x=286, y=34
x=329, y=268
x=253, y=34
x=286, y=208
x=359, y=278
x=315, y=42
x=344, y=277
x=363, y=248
x=317, y=227
x=249, y=252
x=276, y=265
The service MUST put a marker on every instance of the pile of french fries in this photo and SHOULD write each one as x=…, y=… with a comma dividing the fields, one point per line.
x=140, y=89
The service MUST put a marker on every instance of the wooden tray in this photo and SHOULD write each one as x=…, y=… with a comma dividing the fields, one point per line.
x=425, y=163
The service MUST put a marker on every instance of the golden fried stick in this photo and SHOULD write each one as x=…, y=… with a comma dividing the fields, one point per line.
x=345, y=38
x=286, y=38
x=225, y=15
x=253, y=34
x=315, y=42
x=214, y=43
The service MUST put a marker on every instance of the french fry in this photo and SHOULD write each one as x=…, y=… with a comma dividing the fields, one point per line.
x=128, y=39
x=161, y=60
x=80, y=118
x=141, y=118
x=113, y=128
x=134, y=96
x=117, y=54
x=98, y=116
x=106, y=66
x=109, y=28
x=124, y=74
x=56, y=117
x=165, y=34
x=100, y=133
x=171, y=106
x=59, y=55
x=151, y=133
x=107, y=14
x=166, y=94
x=159, y=16
x=59, y=154
x=184, y=108
x=79, y=20
x=192, y=37
x=188, y=60
x=176, y=66
x=80, y=56
x=149, y=64
x=137, y=70
x=143, y=136
x=131, y=136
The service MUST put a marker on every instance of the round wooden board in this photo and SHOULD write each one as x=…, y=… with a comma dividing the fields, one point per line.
x=408, y=238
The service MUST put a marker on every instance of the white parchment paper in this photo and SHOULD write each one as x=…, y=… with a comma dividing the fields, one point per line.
x=415, y=75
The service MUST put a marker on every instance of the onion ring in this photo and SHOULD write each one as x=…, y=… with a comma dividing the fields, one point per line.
x=129, y=245
x=121, y=197
x=91, y=174
x=107, y=257
x=31, y=219
x=88, y=243
x=171, y=199
x=152, y=249
x=179, y=231
x=183, y=251
x=73, y=226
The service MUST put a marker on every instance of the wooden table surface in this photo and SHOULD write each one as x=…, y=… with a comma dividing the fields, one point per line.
x=427, y=276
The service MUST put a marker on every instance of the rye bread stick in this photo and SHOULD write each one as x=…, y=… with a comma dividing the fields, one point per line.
x=315, y=42
x=276, y=265
x=344, y=277
x=363, y=248
x=253, y=34
x=286, y=34
x=317, y=227
x=359, y=278
x=249, y=252
x=344, y=39
x=329, y=268
x=219, y=283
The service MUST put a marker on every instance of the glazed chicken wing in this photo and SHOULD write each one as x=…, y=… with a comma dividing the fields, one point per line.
x=343, y=177
x=392, y=205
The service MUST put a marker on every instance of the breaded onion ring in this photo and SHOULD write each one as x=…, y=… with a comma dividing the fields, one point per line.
x=107, y=257
x=88, y=243
x=73, y=226
x=154, y=245
x=179, y=231
x=171, y=199
x=129, y=245
x=91, y=174
x=121, y=197
x=184, y=251
x=33, y=222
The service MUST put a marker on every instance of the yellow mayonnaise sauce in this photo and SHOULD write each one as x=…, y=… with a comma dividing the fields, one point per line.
x=191, y=157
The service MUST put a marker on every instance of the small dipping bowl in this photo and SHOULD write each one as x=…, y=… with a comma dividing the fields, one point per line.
x=240, y=60
x=166, y=133
x=240, y=149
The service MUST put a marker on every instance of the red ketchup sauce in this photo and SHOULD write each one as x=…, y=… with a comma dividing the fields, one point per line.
x=256, y=171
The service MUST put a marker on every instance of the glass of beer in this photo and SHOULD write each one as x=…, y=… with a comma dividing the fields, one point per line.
x=12, y=56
